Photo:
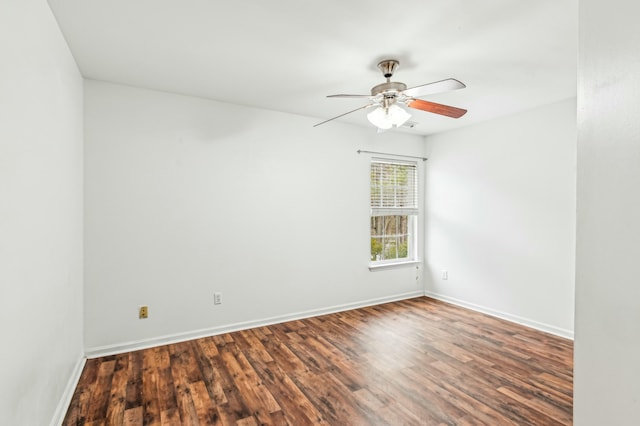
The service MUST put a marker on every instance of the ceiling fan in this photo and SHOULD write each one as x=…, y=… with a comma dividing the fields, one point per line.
x=388, y=97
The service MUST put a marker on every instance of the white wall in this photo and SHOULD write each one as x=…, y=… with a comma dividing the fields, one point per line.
x=40, y=215
x=500, y=216
x=607, y=345
x=186, y=197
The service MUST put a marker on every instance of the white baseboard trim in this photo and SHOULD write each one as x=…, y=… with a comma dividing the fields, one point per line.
x=67, y=395
x=100, y=351
x=567, y=334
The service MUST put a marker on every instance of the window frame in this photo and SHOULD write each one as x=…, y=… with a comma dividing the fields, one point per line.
x=412, y=213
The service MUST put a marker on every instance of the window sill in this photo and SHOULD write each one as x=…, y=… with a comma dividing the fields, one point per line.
x=394, y=265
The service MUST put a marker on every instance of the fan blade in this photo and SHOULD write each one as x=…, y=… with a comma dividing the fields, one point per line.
x=348, y=96
x=435, y=87
x=449, y=111
x=342, y=115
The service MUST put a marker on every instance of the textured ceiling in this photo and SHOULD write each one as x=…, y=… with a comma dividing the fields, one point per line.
x=287, y=55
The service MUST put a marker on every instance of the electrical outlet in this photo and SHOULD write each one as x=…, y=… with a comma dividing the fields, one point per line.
x=217, y=298
x=143, y=312
x=445, y=274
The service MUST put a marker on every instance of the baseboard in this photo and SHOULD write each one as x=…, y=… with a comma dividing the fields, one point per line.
x=567, y=334
x=97, y=352
x=67, y=395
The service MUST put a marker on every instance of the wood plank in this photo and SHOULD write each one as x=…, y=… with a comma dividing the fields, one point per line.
x=544, y=416
x=184, y=402
x=133, y=417
x=134, y=381
x=101, y=391
x=388, y=412
x=544, y=408
x=333, y=400
x=294, y=405
x=118, y=399
x=170, y=417
x=247, y=421
x=150, y=396
x=205, y=408
x=205, y=352
x=251, y=390
x=233, y=408
x=166, y=389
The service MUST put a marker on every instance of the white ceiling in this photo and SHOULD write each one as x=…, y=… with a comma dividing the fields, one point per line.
x=287, y=55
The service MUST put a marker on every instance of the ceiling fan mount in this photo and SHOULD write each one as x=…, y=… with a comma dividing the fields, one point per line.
x=389, y=95
x=388, y=67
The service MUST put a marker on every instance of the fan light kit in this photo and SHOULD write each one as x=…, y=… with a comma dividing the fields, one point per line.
x=388, y=97
x=385, y=118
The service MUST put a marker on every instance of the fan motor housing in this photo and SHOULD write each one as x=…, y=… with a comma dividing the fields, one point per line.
x=390, y=88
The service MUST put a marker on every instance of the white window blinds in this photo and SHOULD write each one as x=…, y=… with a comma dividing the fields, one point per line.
x=394, y=188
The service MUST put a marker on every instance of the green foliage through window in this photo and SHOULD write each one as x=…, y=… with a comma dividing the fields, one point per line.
x=390, y=237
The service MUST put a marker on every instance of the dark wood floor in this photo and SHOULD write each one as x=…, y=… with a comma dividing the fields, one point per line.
x=414, y=362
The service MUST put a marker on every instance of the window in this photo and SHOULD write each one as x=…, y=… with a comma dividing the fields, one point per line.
x=394, y=211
